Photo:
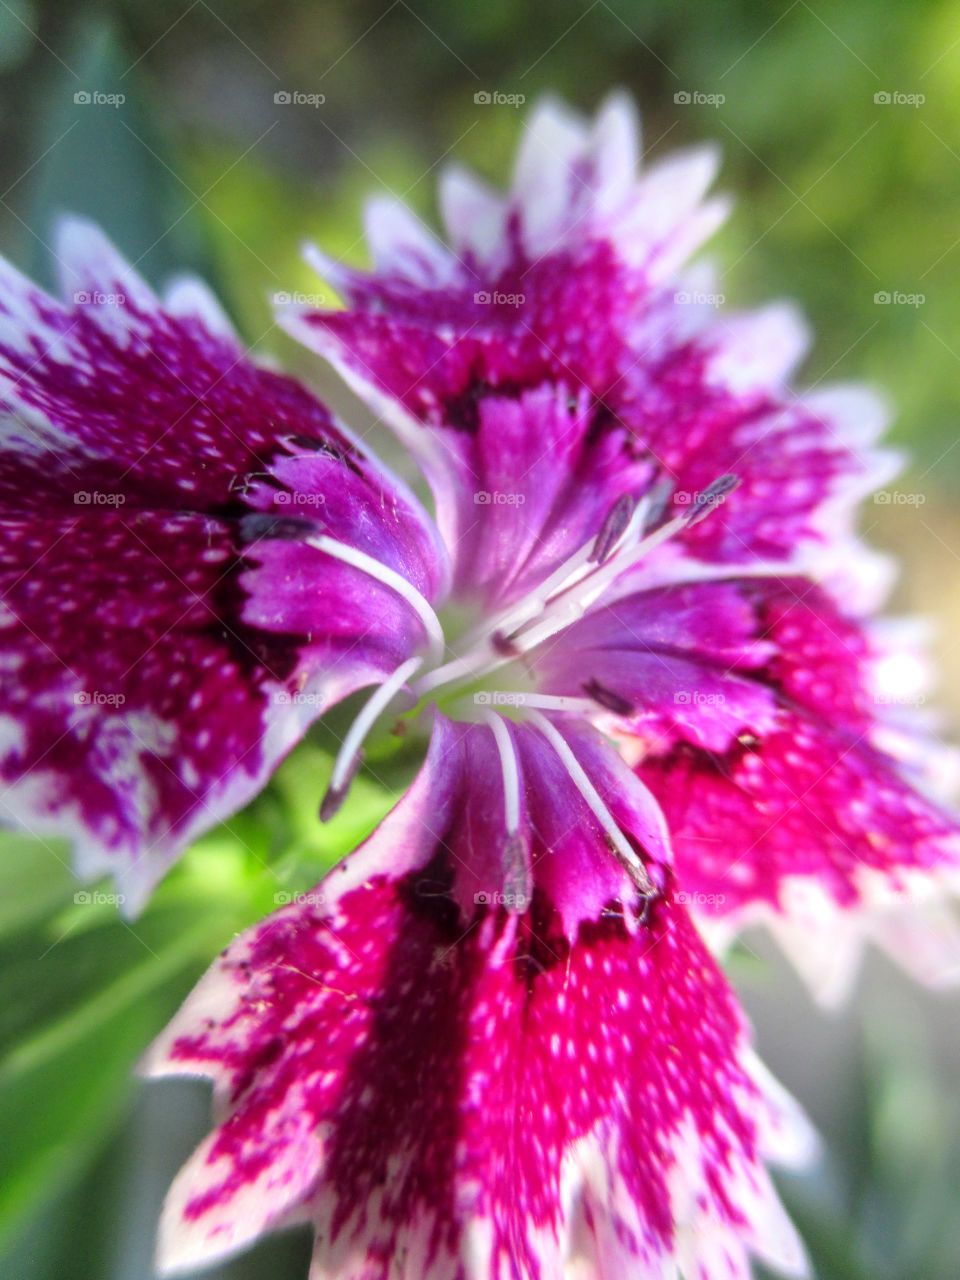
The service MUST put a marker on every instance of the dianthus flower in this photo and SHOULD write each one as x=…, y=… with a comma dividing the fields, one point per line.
x=492, y=1043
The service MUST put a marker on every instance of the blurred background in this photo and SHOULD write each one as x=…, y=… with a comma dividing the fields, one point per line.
x=216, y=137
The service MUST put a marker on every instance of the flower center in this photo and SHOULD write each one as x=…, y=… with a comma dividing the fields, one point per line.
x=627, y=535
x=499, y=645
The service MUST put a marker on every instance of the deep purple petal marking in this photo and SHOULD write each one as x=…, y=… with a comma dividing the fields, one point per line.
x=446, y=1092
x=169, y=635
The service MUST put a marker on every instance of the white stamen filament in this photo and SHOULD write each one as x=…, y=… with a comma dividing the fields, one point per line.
x=563, y=608
x=510, y=769
x=567, y=608
x=367, y=718
x=573, y=570
x=591, y=795
x=463, y=668
x=390, y=578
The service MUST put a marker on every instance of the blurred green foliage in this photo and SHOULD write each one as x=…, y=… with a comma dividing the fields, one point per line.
x=84, y=989
x=839, y=197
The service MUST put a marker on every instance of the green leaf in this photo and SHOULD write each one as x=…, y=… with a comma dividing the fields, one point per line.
x=83, y=991
x=105, y=158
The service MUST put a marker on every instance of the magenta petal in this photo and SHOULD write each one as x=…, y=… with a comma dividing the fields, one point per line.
x=803, y=462
x=482, y=1098
x=570, y=279
x=131, y=397
x=169, y=633
x=143, y=709
x=820, y=658
x=341, y=614
x=563, y=316
x=755, y=711
x=532, y=486
x=806, y=801
x=676, y=664
x=777, y=733
x=568, y=855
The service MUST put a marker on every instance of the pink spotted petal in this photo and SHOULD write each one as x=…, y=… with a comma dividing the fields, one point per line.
x=782, y=736
x=533, y=485
x=165, y=635
x=475, y=1095
x=571, y=279
x=675, y=664
x=807, y=801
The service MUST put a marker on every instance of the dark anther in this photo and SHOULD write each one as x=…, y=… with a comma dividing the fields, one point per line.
x=503, y=644
x=618, y=517
x=335, y=796
x=710, y=497
x=657, y=499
